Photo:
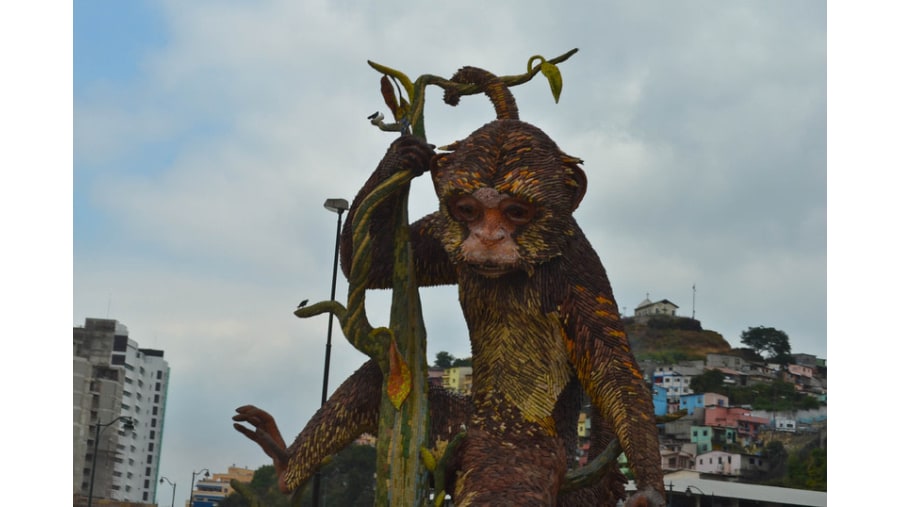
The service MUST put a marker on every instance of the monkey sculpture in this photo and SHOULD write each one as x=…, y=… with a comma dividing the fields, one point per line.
x=543, y=325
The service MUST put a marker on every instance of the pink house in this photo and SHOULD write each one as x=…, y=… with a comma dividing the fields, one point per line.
x=735, y=417
x=800, y=370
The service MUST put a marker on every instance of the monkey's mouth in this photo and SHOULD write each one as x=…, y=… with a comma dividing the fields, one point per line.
x=491, y=270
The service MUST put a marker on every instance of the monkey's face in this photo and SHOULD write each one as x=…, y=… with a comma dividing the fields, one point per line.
x=506, y=194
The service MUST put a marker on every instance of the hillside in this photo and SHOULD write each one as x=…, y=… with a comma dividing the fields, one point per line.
x=670, y=339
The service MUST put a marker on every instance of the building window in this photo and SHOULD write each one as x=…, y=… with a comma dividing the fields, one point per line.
x=153, y=422
x=147, y=472
x=152, y=434
x=120, y=343
x=159, y=374
x=150, y=448
x=155, y=398
x=118, y=359
x=155, y=410
x=149, y=459
x=158, y=385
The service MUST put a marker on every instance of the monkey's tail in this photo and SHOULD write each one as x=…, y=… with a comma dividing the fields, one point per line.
x=496, y=90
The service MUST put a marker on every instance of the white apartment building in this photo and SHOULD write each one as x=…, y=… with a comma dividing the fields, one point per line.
x=115, y=381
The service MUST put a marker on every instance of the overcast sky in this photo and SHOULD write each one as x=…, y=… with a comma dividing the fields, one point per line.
x=208, y=134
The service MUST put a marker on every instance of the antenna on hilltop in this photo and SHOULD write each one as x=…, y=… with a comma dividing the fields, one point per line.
x=694, y=302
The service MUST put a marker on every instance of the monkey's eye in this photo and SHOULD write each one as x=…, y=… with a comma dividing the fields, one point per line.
x=517, y=212
x=465, y=208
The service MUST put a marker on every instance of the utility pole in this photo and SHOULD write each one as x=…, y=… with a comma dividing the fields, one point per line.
x=694, y=302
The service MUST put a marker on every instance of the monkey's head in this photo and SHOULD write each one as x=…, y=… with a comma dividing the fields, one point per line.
x=506, y=194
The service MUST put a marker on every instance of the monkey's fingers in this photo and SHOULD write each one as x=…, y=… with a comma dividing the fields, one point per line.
x=415, y=154
x=269, y=445
x=263, y=421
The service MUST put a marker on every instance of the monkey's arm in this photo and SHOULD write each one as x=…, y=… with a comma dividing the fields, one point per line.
x=605, y=365
x=430, y=261
x=351, y=411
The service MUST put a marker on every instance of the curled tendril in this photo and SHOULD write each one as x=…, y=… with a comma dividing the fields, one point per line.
x=416, y=90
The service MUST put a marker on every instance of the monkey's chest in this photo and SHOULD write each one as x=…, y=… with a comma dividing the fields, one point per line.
x=519, y=361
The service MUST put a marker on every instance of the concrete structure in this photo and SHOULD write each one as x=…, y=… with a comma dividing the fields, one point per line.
x=800, y=370
x=691, y=488
x=733, y=464
x=709, y=438
x=724, y=361
x=113, y=377
x=210, y=491
x=661, y=402
x=676, y=459
x=691, y=402
x=458, y=378
x=647, y=309
x=747, y=425
x=676, y=379
x=788, y=424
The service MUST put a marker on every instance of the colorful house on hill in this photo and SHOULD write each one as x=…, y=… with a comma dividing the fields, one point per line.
x=709, y=438
x=660, y=400
x=747, y=426
x=733, y=464
x=691, y=402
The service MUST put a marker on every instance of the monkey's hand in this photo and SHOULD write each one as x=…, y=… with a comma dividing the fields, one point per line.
x=265, y=434
x=410, y=153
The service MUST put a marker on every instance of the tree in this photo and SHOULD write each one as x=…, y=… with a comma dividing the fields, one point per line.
x=347, y=479
x=462, y=362
x=807, y=469
x=710, y=381
x=262, y=490
x=444, y=359
x=777, y=457
x=770, y=340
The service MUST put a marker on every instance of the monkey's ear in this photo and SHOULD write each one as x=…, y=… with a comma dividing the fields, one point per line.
x=577, y=179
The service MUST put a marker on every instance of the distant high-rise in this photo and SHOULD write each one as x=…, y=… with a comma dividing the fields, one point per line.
x=113, y=378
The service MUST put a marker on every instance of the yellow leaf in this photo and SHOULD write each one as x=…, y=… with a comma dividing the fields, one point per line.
x=399, y=382
x=428, y=459
x=551, y=72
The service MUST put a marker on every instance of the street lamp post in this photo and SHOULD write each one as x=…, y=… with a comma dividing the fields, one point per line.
x=338, y=206
x=194, y=476
x=173, y=488
x=128, y=425
x=687, y=491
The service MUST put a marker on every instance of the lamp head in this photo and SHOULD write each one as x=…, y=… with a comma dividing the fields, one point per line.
x=337, y=205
